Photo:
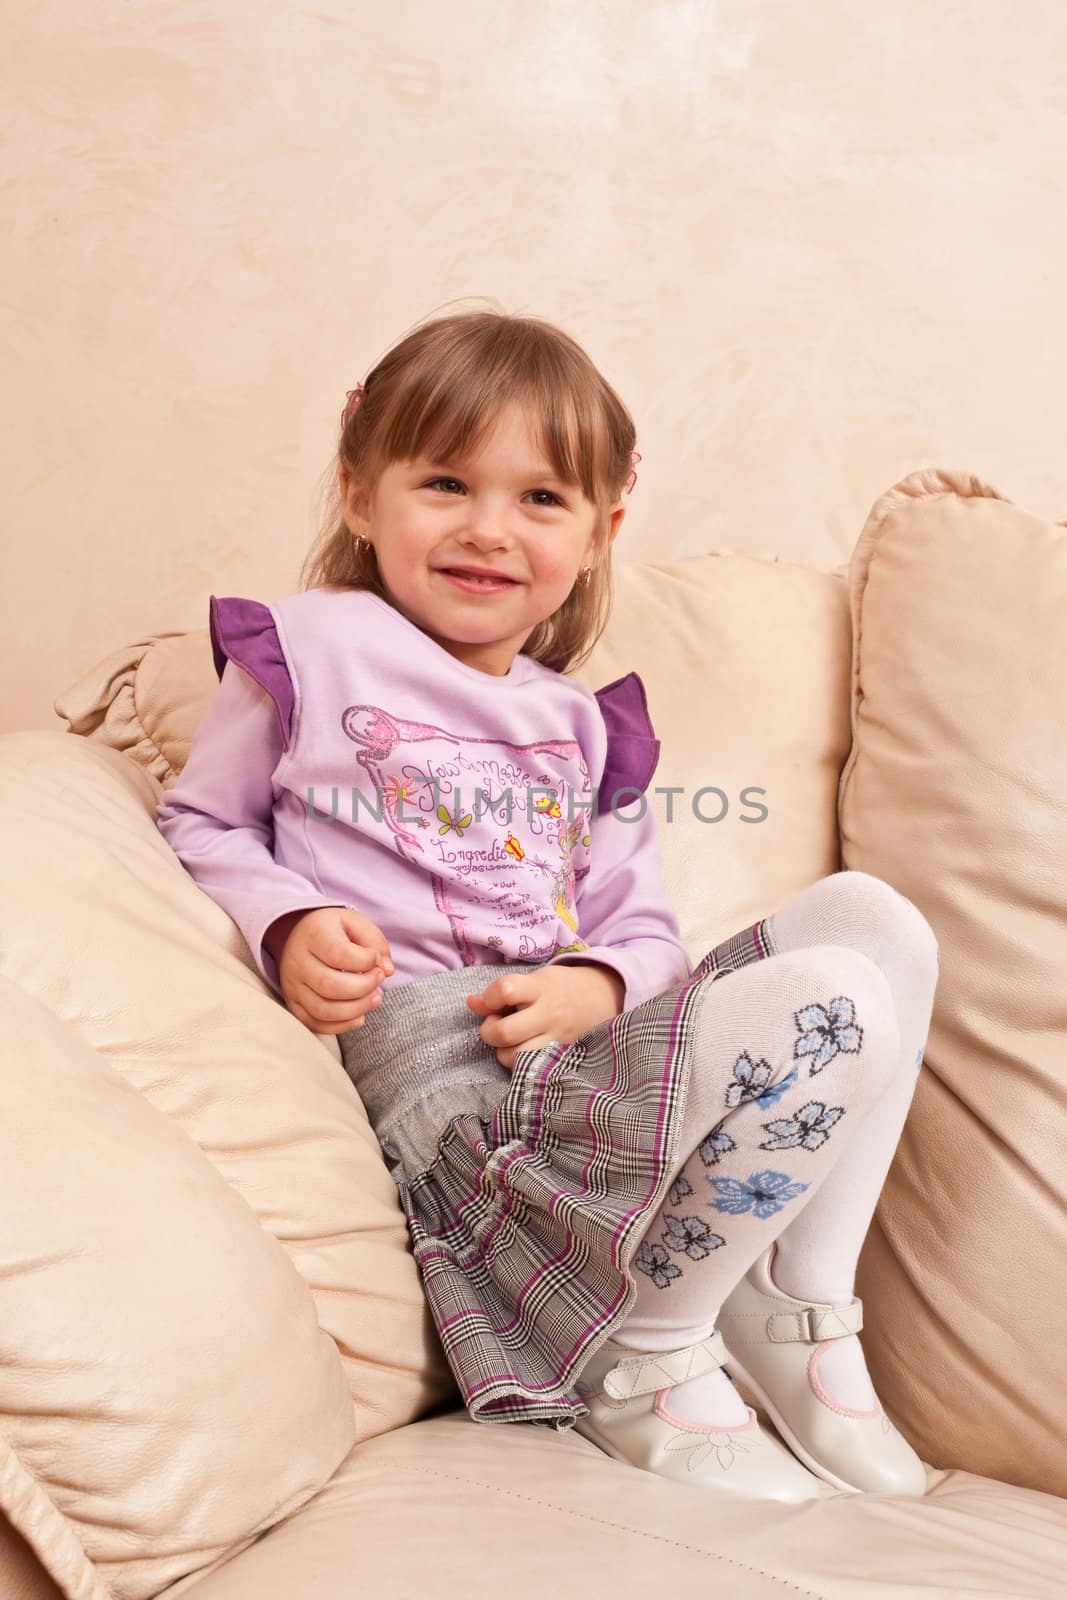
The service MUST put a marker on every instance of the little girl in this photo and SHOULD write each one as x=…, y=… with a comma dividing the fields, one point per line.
x=624, y=1177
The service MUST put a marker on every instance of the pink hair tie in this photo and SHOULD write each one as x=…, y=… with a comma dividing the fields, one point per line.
x=352, y=399
x=635, y=457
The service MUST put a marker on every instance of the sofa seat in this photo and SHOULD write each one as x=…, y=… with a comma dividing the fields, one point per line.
x=550, y=1515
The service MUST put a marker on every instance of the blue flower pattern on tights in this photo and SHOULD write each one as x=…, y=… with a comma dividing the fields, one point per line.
x=715, y=1145
x=752, y=1081
x=807, y=1130
x=691, y=1236
x=763, y=1193
x=679, y=1189
x=825, y=1031
x=655, y=1263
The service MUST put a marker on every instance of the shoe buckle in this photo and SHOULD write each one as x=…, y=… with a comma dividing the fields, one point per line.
x=647, y=1372
x=811, y=1324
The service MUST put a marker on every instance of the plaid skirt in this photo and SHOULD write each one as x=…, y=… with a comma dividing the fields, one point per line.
x=527, y=1192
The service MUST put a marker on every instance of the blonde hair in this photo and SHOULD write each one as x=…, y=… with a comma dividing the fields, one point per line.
x=436, y=393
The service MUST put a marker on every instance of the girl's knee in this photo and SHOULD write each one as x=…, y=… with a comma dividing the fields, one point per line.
x=862, y=895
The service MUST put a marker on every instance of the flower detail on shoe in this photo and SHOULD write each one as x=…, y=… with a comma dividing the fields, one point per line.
x=691, y=1236
x=808, y=1129
x=679, y=1189
x=655, y=1263
x=752, y=1080
x=826, y=1030
x=763, y=1193
x=700, y=1444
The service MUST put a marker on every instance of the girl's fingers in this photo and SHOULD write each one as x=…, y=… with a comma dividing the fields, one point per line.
x=345, y=954
x=315, y=1026
x=511, y=1030
x=331, y=1011
x=327, y=983
x=309, y=1021
x=507, y=1057
x=514, y=989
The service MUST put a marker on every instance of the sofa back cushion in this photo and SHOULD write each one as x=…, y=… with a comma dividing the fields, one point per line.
x=745, y=665
x=955, y=791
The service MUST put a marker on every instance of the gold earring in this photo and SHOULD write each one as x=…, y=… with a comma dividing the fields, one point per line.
x=363, y=545
x=584, y=576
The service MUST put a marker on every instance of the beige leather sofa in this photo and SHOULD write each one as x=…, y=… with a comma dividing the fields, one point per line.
x=218, y=1377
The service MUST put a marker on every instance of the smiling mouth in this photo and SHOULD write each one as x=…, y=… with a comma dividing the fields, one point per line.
x=481, y=580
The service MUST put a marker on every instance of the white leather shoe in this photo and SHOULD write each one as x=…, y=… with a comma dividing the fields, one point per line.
x=774, y=1342
x=628, y=1395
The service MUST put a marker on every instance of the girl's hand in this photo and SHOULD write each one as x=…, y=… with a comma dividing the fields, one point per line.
x=552, y=1003
x=331, y=963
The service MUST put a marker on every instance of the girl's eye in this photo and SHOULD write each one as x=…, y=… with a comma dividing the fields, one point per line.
x=552, y=497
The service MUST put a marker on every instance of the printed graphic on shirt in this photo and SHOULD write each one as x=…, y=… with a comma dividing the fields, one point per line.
x=502, y=829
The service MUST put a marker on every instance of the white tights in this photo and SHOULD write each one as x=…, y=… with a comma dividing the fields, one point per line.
x=804, y=1069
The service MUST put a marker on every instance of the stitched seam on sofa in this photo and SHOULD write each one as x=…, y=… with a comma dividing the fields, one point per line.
x=856, y=694
x=39, y=1520
x=602, y=1522
x=147, y=736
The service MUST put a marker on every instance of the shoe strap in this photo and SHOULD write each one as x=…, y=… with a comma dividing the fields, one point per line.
x=644, y=1373
x=810, y=1324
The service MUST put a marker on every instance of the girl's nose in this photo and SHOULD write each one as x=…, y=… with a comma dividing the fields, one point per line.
x=485, y=545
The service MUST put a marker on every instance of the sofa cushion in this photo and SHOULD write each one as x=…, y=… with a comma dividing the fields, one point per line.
x=955, y=792
x=157, y=1406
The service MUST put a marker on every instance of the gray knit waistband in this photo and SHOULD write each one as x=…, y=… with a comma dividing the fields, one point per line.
x=423, y=1036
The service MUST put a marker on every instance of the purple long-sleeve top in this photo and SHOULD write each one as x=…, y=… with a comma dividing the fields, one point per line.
x=348, y=759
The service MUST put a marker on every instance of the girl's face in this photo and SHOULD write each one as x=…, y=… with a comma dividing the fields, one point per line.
x=503, y=511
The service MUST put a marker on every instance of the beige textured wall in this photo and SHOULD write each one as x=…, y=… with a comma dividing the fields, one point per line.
x=815, y=246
